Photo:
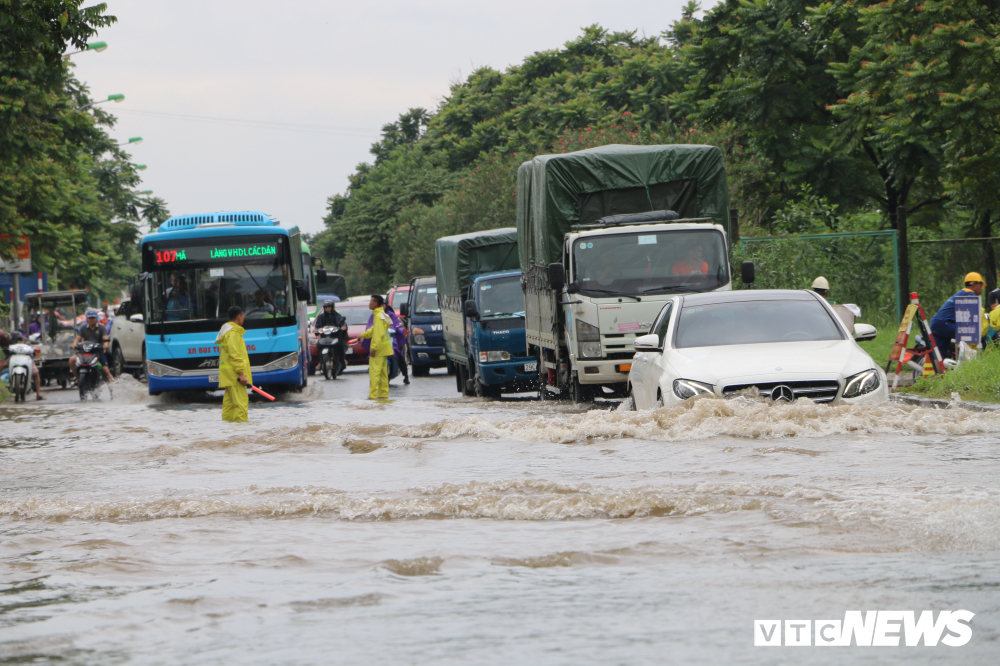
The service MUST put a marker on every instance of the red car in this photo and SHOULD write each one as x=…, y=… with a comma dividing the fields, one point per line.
x=357, y=314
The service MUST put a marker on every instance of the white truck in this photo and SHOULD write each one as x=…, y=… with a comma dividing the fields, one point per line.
x=606, y=236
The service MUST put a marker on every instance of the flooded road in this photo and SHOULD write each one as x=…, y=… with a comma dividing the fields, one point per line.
x=447, y=530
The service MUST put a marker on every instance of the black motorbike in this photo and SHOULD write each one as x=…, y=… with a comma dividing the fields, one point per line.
x=88, y=367
x=330, y=357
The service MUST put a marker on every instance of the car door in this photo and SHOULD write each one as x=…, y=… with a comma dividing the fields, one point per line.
x=652, y=361
x=119, y=328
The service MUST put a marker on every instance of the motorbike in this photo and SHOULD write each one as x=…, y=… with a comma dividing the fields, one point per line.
x=19, y=364
x=330, y=359
x=88, y=365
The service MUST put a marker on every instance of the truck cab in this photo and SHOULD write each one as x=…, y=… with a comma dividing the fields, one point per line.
x=426, y=338
x=494, y=337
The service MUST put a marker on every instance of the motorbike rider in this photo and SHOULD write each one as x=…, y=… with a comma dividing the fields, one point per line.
x=91, y=332
x=15, y=339
x=330, y=317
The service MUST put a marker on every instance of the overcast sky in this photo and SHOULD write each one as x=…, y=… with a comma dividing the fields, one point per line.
x=302, y=87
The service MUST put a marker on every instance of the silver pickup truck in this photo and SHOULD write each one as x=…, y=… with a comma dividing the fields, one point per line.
x=127, y=351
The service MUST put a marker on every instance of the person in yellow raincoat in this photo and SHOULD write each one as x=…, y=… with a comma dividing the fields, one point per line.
x=380, y=350
x=234, y=367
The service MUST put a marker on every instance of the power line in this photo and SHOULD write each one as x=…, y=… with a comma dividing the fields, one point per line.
x=261, y=124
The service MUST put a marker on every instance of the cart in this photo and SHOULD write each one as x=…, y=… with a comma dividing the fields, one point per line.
x=57, y=312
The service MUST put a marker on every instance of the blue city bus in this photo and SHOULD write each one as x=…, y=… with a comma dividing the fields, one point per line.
x=195, y=267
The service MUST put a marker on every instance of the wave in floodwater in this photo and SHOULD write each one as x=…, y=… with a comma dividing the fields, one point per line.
x=695, y=420
x=928, y=518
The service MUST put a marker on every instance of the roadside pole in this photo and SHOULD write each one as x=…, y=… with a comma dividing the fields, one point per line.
x=904, y=256
x=15, y=306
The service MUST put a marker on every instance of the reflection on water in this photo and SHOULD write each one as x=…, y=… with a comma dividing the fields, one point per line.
x=444, y=530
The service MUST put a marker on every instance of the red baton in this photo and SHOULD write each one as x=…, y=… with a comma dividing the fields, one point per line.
x=266, y=395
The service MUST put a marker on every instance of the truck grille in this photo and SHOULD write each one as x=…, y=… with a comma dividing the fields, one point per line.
x=817, y=390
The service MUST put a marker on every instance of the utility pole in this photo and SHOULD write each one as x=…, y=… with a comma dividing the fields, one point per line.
x=15, y=307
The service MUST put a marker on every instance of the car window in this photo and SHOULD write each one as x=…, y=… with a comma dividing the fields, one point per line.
x=125, y=310
x=754, y=322
x=663, y=322
x=355, y=314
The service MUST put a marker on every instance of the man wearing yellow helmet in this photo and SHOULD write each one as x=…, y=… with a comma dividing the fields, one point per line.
x=943, y=324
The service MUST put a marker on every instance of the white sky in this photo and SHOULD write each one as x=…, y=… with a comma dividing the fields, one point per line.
x=329, y=73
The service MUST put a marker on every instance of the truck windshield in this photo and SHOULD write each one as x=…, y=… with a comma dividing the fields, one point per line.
x=427, y=300
x=650, y=262
x=501, y=297
x=754, y=322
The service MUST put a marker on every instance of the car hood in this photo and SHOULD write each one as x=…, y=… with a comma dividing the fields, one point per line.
x=734, y=364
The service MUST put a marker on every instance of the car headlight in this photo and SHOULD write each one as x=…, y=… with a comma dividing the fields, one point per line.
x=687, y=388
x=490, y=357
x=861, y=383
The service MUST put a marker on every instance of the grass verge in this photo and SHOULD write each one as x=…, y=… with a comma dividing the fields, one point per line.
x=880, y=348
x=976, y=379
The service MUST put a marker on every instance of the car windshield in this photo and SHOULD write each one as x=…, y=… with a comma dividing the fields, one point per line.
x=650, y=262
x=356, y=315
x=500, y=297
x=754, y=322
x=427, y=300
x=399, y=297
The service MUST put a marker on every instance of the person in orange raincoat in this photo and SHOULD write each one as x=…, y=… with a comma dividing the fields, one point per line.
x=234, y=367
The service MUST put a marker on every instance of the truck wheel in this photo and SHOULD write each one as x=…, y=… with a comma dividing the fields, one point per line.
x=458, y=379
x=580, y=393
x=420, y=371
x=484, y=391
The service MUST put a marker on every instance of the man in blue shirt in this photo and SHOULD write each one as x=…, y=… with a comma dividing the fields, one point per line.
x=943, y=324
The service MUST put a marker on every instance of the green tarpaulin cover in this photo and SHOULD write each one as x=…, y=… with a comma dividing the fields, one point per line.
x=554, y=192
x=459, y=258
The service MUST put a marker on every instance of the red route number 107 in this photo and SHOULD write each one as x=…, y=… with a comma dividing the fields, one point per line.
x=170, y=256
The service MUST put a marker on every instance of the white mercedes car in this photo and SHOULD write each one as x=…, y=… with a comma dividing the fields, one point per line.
x=789, y=344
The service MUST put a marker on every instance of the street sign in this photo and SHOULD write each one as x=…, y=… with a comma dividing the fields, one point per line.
x=21, y=261
x=967, y=311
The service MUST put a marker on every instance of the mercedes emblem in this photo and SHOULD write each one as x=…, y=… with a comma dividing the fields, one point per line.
x=782, y=394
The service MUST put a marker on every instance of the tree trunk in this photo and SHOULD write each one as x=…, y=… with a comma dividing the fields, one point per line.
x=989, y=258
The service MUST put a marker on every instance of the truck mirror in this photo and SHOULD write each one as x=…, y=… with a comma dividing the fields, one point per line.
x=748, y=272
x=470, y=310
x=321, y=275
x=404, y=310
x=573, y=288
x=300, y=290
x=557, y=276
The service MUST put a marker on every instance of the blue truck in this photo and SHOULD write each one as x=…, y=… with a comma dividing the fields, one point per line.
x=482, y=310
x=423, y=318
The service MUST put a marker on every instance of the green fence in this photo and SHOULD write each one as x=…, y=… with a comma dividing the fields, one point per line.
x=862, y=267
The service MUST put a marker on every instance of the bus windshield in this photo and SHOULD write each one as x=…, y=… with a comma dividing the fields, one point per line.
x=201, y=282
x=650, y=262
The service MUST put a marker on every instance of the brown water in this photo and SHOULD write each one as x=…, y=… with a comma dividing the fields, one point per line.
x=443, y=530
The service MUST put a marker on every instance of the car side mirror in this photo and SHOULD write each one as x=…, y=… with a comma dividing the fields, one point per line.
x=650, y=342
x=470, y=310
x=748, y=272
x=404, y=310
x=573, y=288
x=300, y=290
x=557, y=276
x=137, y=318
x=864, y=332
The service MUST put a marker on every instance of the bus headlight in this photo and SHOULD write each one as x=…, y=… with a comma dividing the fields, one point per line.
x=861, y=383
x=286, y=362
x=160, y=370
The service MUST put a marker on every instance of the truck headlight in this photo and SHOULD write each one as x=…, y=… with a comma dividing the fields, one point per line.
x=589, y=338
x=490, y=357
x=687, y=388
x=861, y=383
x=419, y=338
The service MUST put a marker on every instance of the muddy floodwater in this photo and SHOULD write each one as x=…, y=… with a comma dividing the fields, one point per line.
x=444, y=530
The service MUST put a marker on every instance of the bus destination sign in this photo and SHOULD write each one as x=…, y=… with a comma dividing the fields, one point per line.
x=213, y=254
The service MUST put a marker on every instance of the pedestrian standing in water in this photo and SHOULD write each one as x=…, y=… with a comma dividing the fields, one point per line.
x=398, y=342
x=234, y=367
x=379, y=349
